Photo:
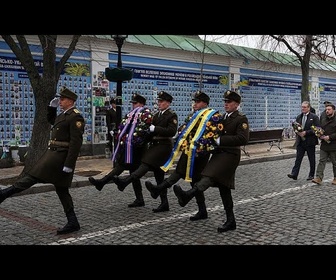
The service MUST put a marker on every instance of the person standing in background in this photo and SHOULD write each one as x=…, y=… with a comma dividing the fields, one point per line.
x=111, y=121
x=328, y=144
x=305, y=141
x=57, y=164
x=162, y=131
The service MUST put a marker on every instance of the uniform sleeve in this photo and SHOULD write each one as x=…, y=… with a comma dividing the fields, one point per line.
x=76, y=139
x=242, y=135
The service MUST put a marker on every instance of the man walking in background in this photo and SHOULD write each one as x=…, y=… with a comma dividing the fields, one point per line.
x=305, y=141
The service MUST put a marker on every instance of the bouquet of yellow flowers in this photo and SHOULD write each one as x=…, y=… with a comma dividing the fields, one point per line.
x=319, y=131
x=206, y=143
x=297, y=128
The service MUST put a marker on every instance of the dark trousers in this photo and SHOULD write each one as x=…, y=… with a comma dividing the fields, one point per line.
x=62, y=191
x=301, y=149
x=175, y=177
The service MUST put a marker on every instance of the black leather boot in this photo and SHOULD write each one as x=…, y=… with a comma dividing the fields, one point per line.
x=5, y=193
x=100, y=183
x=72, y=224
x=139, y=201
x=155, y=190
x=201, y=214
x=164, y=206
x=230, y=223
x=122, y=183
x=184, y=196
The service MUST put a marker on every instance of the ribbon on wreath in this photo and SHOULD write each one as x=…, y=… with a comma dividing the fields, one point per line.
x=200, y=117
x=130, y=125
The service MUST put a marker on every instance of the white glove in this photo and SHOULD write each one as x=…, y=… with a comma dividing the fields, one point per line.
x=54, y=103
x=151, y=128
x=67, y=169
x=218, y=141
x=111, y=133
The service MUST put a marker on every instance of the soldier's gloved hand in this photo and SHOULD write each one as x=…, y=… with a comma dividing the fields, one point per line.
x=112, y=133
x=67, y=169
x=218, y=141
x=151, y=128
x=54, y=103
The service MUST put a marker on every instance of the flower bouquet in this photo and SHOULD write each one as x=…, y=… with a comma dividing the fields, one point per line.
x=298, y=128
x=206, y=143
x=319, y=131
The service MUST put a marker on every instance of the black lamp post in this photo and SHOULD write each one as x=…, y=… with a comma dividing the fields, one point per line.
x=119, y=40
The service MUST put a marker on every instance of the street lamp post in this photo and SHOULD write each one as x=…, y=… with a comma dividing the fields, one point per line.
x=119, y=40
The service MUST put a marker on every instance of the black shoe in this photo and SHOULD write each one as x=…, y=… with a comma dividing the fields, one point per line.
x=99, y=185
x=227, y=226
x=310, y=178
x=68, y=228
x=163, y=207
x=199, y=216
x=292, y=176
x=120, y=183
x=137, y=203
x=152, y=189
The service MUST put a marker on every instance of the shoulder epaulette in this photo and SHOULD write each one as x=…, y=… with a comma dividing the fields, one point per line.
x=76, y=111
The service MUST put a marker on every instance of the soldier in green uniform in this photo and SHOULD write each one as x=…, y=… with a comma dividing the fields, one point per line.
x=221, y=168
x=57, y=164
x=162, y=129
x=198, y=162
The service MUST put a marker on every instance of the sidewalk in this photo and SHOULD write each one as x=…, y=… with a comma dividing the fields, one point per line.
x=99, y=166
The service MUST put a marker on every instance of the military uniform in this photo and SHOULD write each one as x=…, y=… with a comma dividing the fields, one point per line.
x=135, y=152
x=64, y=146
x=58, y=163
x=160, y=147
x=220, y=170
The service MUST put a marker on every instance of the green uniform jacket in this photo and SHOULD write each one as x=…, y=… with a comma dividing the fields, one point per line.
x=223, y=163
x=66, y=127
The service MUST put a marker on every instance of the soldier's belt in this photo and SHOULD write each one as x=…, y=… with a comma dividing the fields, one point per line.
x=58, y=143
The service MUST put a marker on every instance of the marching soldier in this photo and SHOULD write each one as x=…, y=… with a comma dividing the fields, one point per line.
x=57, y=164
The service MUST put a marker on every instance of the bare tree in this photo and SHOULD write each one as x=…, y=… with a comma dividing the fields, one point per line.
x=44, y=84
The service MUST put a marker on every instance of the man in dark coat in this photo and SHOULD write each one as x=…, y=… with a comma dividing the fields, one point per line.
x=128, y=151
x=221, y=168
x=198, y=162
x=57, y=164
x=328, y=144
x=111, y=123
x=163, y=128
x=305, y=141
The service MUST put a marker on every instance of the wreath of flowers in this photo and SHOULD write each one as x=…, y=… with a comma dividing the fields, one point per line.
x=141, y=131
x=206, y=143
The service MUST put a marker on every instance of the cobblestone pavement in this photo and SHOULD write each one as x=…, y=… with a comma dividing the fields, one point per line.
x=270, y=209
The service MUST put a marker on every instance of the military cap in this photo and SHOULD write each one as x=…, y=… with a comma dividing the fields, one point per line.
x=327, y=102
x=138, y=98
x=65, y=92
x=162, y=95
x=232, y=95
x=201, y=96
x=112, y=101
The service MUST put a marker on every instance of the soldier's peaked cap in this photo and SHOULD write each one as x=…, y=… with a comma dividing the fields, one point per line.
x=201, y=96
x=232, y=95
x=65, y=92
x=162, y=95
x=138, y=98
